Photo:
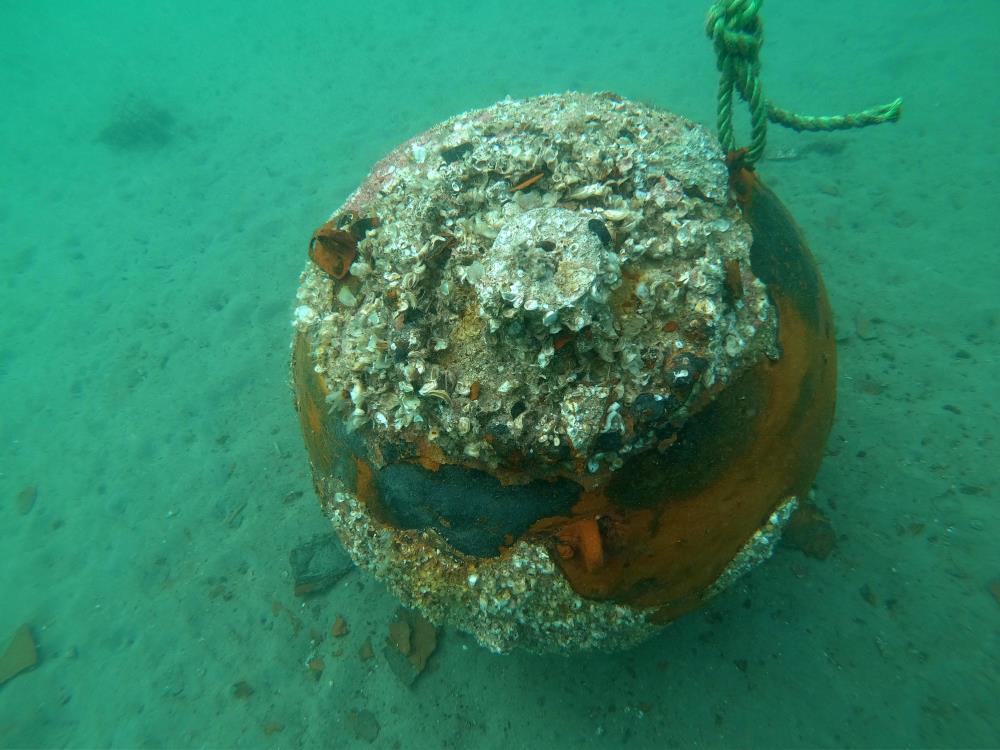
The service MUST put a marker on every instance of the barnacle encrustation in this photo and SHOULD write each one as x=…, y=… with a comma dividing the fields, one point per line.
x=563, y=363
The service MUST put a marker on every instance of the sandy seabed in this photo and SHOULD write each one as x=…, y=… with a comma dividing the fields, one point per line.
x=148, y=279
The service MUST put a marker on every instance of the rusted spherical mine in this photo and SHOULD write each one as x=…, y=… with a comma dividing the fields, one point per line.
x=560, y=386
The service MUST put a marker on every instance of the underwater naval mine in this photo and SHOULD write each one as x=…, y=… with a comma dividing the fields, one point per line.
x=561, y=376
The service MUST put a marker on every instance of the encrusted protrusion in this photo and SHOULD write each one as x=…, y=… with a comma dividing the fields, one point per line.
x=547, y=266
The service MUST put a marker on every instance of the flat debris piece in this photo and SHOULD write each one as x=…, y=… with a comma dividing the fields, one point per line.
x=995, y=589
x=26, y=499
x=318, y=564
x=20, y=655
x=810, y=532
x=364, y=725
x=409, y=645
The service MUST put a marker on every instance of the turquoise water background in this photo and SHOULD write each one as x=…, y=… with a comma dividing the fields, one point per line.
x=148, y=277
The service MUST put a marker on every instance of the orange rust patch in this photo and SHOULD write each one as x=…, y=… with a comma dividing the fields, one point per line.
x=314, y=418
x=329, y=454
x=365, y=483
x=474, y=390
x=310, y=402
x=333, y=250
x=429, y=455
x=672, y=521
x=734, y=281
x=742, y=178
x=584, y=538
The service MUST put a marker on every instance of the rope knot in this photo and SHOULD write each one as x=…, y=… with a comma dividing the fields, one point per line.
x=735, y=30
x=737, y=34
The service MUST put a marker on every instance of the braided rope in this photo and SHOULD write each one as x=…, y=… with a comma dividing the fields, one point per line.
x=737, y=35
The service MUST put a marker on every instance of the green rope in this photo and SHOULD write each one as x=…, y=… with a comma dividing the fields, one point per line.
x=737, y=34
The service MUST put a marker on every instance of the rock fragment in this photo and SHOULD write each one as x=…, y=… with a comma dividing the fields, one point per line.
x=318, y=564
x=363, y=724
x=21, y=654
x=410, y=643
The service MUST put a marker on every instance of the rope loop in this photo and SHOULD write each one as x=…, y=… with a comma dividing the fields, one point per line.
x=737, y=35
